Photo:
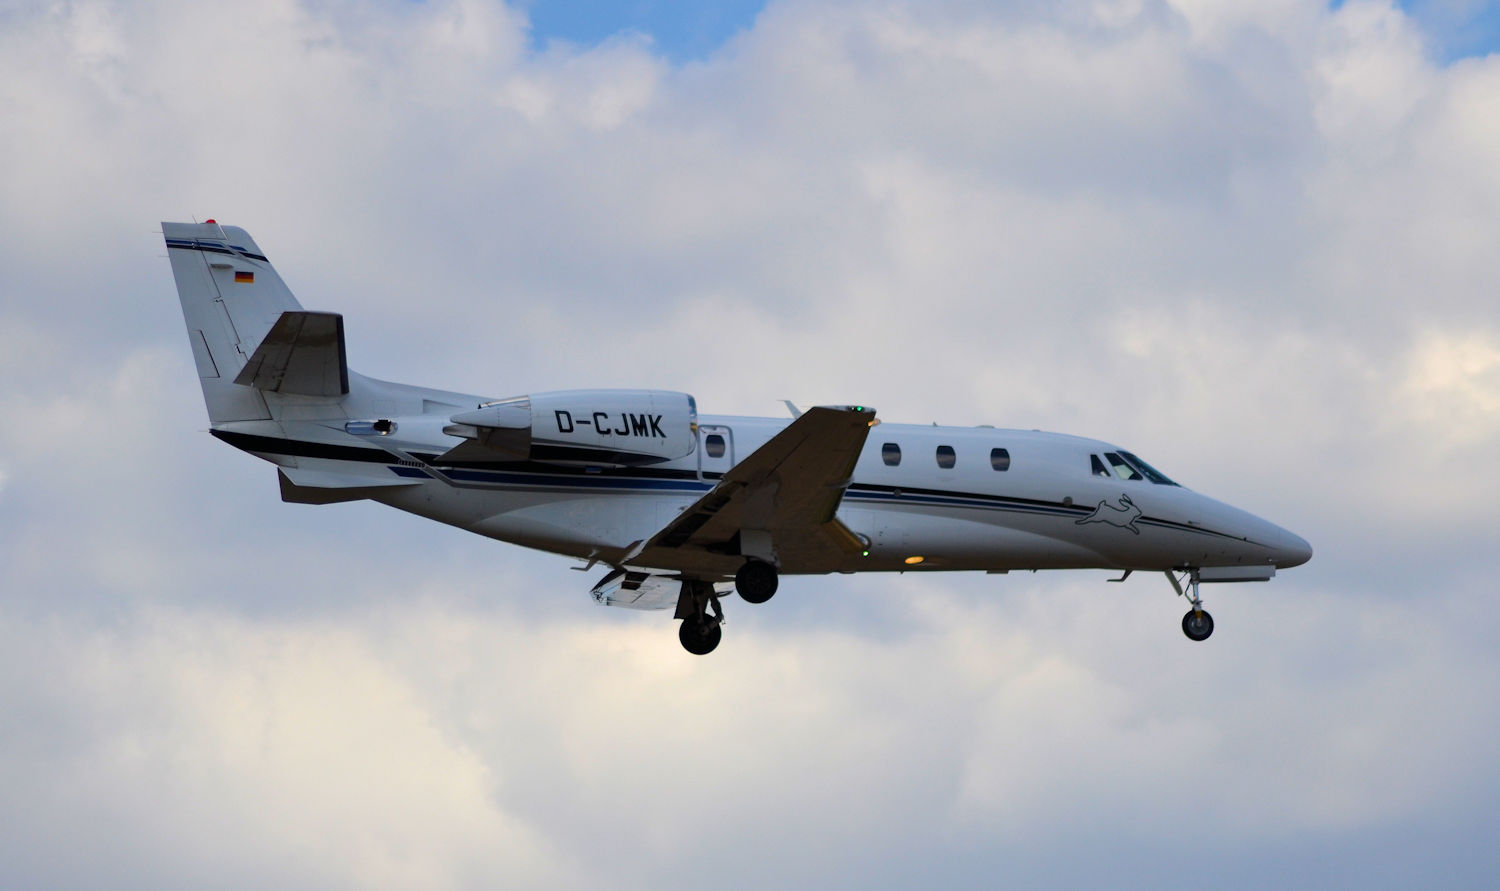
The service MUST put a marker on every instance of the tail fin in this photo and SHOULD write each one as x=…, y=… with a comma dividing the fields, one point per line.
x=231, y=299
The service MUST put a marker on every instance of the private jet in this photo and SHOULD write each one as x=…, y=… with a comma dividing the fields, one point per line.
x=679, y=509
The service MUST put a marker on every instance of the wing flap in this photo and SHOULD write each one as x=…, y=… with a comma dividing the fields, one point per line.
x=637, y=590
x=302, y=354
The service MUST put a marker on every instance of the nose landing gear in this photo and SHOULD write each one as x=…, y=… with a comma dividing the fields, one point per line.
x=1197, y=624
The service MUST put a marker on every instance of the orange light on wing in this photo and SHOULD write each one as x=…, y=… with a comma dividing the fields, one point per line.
x=243, y=278
x=914, y=560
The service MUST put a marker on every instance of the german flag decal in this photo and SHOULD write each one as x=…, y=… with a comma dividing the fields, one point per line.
x=243, y=278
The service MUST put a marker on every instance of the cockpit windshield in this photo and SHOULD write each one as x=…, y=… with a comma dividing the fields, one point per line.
x=1122, y=468
x=1123, y=465
x=1151, y=473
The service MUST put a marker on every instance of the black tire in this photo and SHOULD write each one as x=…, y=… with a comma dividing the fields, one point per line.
x=1197, y=624
x=698, y=637
x=756, y=581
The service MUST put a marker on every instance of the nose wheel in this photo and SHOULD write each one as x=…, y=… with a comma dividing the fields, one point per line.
x=1197, y=624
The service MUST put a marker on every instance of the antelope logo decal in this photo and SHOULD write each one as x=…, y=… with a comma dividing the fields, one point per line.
x=1123, y=516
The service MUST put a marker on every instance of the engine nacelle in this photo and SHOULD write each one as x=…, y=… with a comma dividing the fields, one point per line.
x=616, y=428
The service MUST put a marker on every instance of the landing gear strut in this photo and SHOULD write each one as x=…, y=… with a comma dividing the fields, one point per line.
x=756, y=581
x=1197, y=624
x=702, y=618
x=698, y=605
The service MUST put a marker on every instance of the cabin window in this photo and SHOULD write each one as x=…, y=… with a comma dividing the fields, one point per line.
x=1000, y=459
x=890, y=453
x=1098, y=466
x=713, y=444
x=1122, y=468
x=945, y=456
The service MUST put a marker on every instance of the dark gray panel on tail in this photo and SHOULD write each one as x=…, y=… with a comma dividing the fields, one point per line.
x=303, y=354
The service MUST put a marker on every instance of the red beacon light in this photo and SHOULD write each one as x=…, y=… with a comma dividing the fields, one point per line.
x=215, y=222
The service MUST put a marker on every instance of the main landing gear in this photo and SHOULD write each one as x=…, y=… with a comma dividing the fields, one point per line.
x=756, y=581
x=1197, y=624
x=702, y=616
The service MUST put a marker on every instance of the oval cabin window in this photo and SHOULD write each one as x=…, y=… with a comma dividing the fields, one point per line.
x=945, y=456
x=1000, y=459
x=890, y=453
x=713, y=443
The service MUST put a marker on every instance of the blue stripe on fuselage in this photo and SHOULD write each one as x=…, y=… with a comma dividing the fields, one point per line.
x=558, y=482
x=857, y=493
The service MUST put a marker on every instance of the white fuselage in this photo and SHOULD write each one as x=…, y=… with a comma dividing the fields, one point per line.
x=674, y=505
x=944, y=504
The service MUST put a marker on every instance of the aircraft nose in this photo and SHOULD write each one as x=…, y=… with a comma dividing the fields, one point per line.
x=1291, y=550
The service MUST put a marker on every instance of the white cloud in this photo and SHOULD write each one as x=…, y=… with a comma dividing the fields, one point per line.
x=1251, y=243
x=204, y=750
x=428, y=745
x=599, y=90
x=1452, y=387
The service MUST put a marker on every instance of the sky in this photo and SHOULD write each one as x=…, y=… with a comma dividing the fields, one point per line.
x=1252, y=243
x=679, y=32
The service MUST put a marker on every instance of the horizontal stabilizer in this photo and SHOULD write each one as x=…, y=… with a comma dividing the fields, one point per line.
x=303, y=354
x=300, y=486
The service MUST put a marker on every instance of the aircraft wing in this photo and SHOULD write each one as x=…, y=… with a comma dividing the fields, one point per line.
x=779, y=500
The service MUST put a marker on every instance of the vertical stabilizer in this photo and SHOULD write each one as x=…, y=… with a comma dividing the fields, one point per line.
x=231, y=298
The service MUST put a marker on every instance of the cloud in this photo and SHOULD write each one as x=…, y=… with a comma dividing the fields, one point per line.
x=416, y=744
x=192, y=749
x=1453, y=385
x=1250, y=244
